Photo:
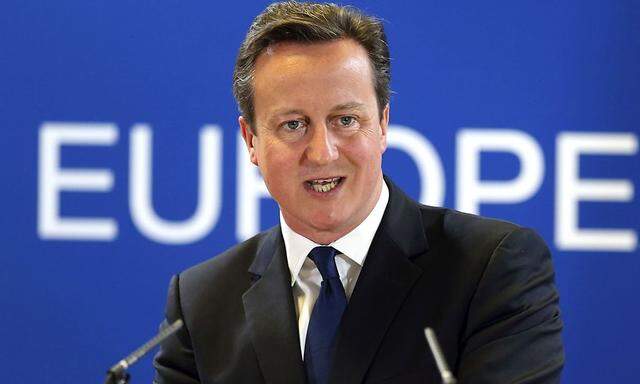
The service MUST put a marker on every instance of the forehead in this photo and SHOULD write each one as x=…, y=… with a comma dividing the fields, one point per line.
x=312, y=72
x=315, y=53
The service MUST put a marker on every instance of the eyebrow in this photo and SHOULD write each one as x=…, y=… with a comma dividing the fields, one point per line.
x=284, y=111
x=340, y=107
x=348, y=105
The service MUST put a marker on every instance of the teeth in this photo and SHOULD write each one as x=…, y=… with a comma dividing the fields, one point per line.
x=324, y=185
x=324, y=181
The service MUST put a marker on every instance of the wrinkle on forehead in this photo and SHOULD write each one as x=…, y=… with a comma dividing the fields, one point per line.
x=293, y=57
x=295, y=48
x=292, y=75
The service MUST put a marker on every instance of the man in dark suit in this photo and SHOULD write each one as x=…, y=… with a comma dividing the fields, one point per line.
x=341, y=290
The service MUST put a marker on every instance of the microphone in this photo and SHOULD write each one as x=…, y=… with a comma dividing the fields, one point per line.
x=118, y=373
x=436, y=351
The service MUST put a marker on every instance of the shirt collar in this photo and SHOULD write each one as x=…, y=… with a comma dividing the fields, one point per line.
x=353, y=245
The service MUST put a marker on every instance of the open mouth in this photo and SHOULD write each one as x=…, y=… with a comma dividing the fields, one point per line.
x=324, y=185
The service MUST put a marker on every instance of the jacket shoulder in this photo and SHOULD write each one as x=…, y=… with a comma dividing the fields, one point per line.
x=222, y=276
x=465, y=230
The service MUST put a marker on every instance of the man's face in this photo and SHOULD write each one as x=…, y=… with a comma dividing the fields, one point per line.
x=319, y=137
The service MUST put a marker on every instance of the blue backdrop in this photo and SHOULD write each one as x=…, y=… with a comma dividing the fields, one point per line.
x=526, y=111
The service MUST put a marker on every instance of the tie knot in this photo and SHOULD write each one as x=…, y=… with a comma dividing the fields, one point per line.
x=324, y=258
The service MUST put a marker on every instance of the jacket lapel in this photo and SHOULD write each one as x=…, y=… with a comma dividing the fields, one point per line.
x=270, y=314
x=386, y=278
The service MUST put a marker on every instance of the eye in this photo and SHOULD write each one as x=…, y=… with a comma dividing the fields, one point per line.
x=346, y=121
x=293, y=125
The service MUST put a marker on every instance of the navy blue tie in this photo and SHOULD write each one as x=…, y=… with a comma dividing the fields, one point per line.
x=325, y=318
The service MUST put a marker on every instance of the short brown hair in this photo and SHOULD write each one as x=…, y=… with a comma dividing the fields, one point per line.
x=308, y=23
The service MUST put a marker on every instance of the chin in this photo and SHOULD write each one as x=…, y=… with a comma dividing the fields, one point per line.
x=328, y=224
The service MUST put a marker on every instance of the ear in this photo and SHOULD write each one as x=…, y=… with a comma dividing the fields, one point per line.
x=384, y=125
x=249, y=137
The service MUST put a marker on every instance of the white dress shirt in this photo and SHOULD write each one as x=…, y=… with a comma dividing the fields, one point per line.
x=305, y=277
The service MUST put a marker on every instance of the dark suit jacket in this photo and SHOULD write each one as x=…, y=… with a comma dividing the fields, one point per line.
x=485, y=286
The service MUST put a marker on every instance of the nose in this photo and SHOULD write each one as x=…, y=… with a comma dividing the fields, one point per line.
x=321, y=147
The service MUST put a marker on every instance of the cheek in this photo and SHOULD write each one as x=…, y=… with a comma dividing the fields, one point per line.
x=368, y=152
x=265, y=151
x=369, y=161
x=277, y=164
